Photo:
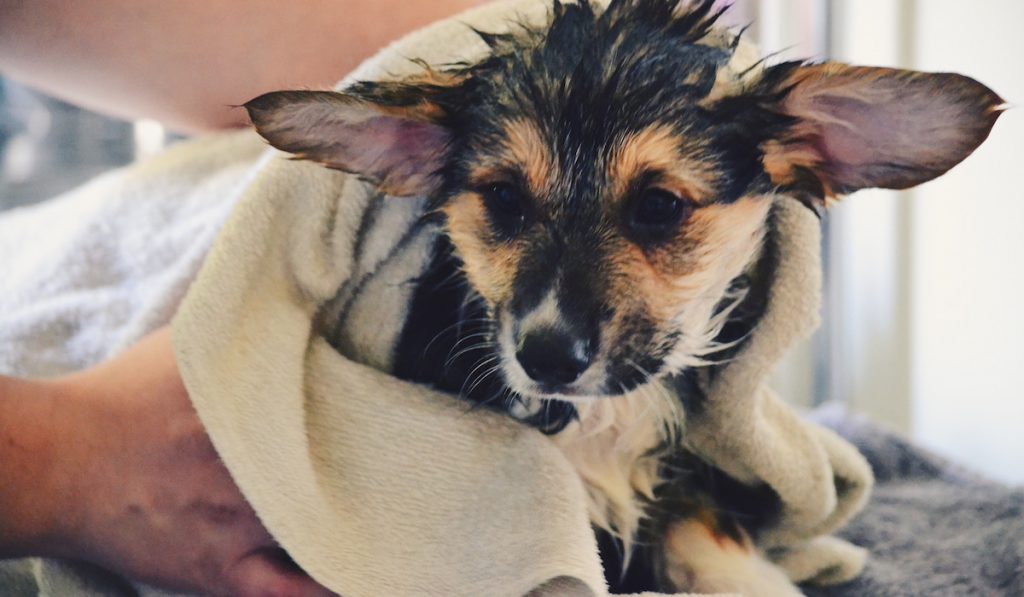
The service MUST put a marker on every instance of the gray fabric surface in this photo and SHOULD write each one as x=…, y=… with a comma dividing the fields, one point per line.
x=17, y=579
x=932, y=528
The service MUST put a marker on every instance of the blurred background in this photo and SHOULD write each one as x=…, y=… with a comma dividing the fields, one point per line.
x=923, y=320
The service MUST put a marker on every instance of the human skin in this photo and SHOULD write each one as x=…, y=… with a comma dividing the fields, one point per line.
x=187, y=63
x=112, y=466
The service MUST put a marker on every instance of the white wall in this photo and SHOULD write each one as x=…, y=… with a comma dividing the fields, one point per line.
x=968, y=253
x=869, y=289
x=791, y=30
x=929, y=321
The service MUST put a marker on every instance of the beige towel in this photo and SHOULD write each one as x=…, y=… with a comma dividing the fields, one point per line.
x=380, y=487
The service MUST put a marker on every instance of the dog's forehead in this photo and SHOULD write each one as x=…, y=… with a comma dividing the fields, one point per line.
x=582, y=107
x=595, y=78
x=591, y=84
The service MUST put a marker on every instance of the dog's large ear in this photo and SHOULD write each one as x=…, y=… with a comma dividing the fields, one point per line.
x=401, y=148
x=857, y=127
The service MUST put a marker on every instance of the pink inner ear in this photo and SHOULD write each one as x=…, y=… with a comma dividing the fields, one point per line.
x=396, y=147
x=404, y=155
x=859, y=138
x=884, y=127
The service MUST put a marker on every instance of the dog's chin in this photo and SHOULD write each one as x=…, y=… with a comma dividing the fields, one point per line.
x=561, y=394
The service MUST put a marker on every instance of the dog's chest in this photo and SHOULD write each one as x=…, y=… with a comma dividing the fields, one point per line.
x=616, y=446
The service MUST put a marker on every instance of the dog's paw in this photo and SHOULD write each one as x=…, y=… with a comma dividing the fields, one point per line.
x=700, y=559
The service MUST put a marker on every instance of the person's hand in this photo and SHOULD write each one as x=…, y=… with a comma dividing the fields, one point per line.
x=137, y=488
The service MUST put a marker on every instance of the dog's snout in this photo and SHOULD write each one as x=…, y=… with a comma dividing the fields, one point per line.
x=553, y=357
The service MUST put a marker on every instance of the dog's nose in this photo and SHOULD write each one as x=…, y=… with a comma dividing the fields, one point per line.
x=552, y=357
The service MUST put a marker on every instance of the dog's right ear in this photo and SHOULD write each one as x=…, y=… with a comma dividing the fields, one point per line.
x=858, y=127
x=402, y=149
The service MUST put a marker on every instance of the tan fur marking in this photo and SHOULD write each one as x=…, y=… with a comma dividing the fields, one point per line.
x=524, y=151
x=429, y=77
x=436, y=77
x=490, y=269
x=659, y=148
x=782, y=159
x=528, y=151
x=423, y=111
x=485, y=171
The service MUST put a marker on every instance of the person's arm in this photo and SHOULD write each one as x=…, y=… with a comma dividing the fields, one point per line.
x=29, y=424
x=185, y=63
x=112, y=466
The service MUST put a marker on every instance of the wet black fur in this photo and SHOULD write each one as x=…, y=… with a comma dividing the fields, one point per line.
x=588, y=79
x=592, y=77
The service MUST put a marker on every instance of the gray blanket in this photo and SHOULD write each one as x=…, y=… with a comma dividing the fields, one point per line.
x=932, y=528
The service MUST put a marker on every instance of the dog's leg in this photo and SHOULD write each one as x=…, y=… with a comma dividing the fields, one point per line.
x=704, y=555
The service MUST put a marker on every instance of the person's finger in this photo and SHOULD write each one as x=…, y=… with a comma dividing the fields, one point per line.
x=271, y=573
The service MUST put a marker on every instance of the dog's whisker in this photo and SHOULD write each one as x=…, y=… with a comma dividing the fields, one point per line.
x=483, y=377
x=479, y=346
x=470, y=338
x=448, y=328
x=482, y=363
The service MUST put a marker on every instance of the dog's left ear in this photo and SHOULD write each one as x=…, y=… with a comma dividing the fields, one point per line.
x=401, y=148
x=858, y=127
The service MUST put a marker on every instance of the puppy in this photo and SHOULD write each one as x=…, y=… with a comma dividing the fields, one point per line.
x=605, y=184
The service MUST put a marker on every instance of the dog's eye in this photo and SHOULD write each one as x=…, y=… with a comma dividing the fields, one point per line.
x=505, y=205
x=656, y=215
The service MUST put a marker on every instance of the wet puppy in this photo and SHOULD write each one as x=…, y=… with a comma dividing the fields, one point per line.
x=605, y=185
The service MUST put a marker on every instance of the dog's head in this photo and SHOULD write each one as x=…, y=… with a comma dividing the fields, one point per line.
x=605, y=180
